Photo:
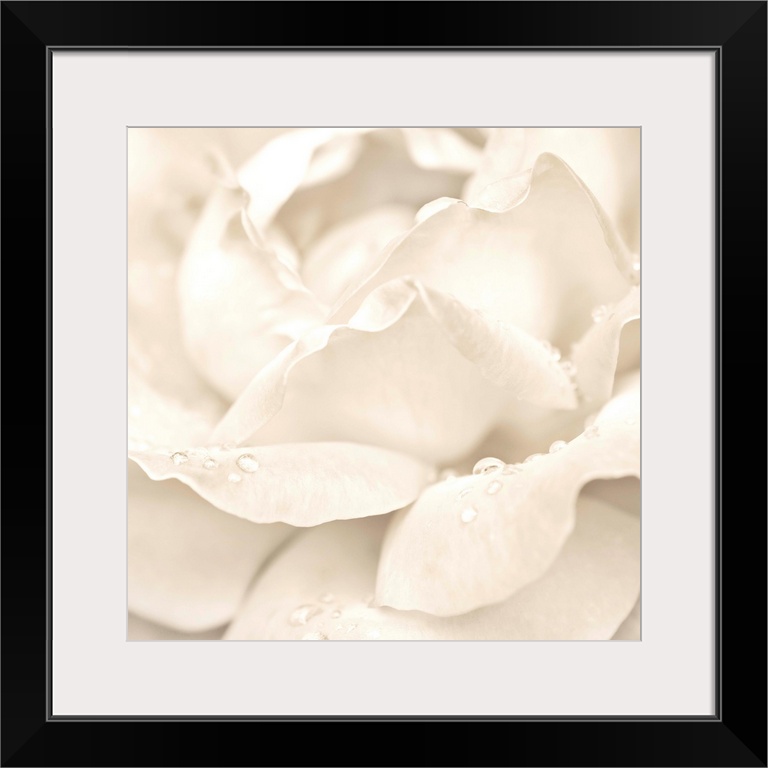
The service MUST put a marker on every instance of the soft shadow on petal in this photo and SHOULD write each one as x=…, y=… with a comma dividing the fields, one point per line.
x=336, y=157
x=180, y=409
x=596, y=354
x=507, y=356
x=167, y=397
x=476, y=540
x=346, y=252
x=272, y=175
x=608, y=351
x=524, y=429
x=302, y=484
x=240, y=304
x=170, y=171
x=415, y=370
x=542, y=265
x=630, y=628
x=319, y=588
x=141, y=630
x=502, y=157
x=607, y=159
x=189, y=564
x=384, y=173
x=441, y=149
x=622, y=493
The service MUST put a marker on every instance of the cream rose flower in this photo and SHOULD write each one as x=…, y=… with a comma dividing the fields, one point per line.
x=332, y=335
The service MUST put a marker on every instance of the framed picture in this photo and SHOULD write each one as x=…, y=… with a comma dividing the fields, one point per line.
x=366, y=323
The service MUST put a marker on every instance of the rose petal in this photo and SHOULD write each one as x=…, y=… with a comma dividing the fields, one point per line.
x=502, y=157
x=189, y=564
x=596, y=354
x=334, y=158
x=180, y=410
x=607, y=159
x=240, y=305
x=542, y=265
x=325, y=578
x=430, y=209
x=168, y=400
x=283, y=248
x=524, y=429
x=326, y=567
x=504, y=194
x=630, y=627
x=141, y=630
x=170, y=172
x=441, y=149
x=507, y=357
x=272, y=175
x=622, y=493
x=469, y=542
x=302, y=484
x=414, y=370
x=346, y=252
x=384, y=174
x=629, y=348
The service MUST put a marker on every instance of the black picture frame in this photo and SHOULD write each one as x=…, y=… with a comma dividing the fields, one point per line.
x=736, y=31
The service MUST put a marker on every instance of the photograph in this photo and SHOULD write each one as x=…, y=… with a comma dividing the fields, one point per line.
x=365, y=321
x=383, y=383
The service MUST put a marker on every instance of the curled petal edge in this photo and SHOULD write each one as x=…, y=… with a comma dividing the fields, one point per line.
x=476, y=540
x=507, y=357
x=303, y=484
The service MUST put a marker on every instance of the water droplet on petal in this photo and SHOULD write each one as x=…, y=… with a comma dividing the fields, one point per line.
x=487, y=465
x=533, y=457
x=593, y=431
x=326, y=597
x=558, y=445
x=233, y=477
x=210, y=463
x=303, y=614
x=494, y=487
x=315, y=636
x=464, y=493
x=511, y=469
x=468, y=515
x=179, y=458
x=247, y=462
x=599, y=313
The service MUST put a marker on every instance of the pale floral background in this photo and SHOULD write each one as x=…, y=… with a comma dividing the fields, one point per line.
x=384, y=384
